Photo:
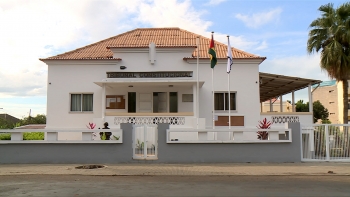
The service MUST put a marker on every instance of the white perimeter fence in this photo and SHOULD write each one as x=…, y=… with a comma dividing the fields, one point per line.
x=325, y=142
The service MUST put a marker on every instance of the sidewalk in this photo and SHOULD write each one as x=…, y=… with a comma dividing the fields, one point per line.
x=212, y=169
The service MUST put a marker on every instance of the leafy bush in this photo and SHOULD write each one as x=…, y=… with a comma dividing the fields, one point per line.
x=26, y=136
x=5, y=136
x=39, y=119
x=33, y=136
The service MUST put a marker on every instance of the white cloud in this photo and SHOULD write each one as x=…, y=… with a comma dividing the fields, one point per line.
x=258, y=19
x=215, y=2
x=19, y=110
x=263, y=45
x=239, y=42
x=170, y=13
x=34, y=29
x=305, y=66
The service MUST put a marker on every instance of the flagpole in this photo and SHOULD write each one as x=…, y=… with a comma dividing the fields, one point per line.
x=229, y=94
x=197, y=103
x=229, y=103
x=212, y=86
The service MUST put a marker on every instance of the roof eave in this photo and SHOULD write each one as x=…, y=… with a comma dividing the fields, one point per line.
x=158, y=46
x=91, y=59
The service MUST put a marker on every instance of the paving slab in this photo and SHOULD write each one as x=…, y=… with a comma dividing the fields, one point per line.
x=215, y=169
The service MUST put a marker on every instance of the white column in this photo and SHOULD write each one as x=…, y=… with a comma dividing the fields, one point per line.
x=194, y=90
x=197, y=85
x=310, y=99
x=271, y=108
x=293, y=102
x=103, y=102
x=281, y=104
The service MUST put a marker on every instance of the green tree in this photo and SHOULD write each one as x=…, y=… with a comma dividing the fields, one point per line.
x=319, y=111
x=6, y=124
x=326, y=122
x=38, y=119
x=330, y=35
x=300, y=106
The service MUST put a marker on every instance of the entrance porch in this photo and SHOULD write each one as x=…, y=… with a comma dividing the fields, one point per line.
x=151, y=101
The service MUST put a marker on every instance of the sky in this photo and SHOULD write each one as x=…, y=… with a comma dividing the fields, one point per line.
x=33, y=29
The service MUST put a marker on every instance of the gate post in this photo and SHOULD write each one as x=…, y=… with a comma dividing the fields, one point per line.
x=145, y=140
x=327, y=142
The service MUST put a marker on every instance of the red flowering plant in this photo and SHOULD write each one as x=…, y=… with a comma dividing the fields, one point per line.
x=264, y=124
x=91, y=125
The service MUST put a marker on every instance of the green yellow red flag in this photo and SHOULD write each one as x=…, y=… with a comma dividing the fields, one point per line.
x=212, y=53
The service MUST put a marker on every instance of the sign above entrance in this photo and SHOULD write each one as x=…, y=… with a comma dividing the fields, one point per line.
x=149, y=74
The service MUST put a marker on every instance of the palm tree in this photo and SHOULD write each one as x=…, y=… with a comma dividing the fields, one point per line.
x=330, y=34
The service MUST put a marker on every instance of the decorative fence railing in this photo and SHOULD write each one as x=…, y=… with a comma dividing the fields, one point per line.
x=325, y=142
x=183, y=135
x=172, y=120
x=284, y=119
x=53, y=136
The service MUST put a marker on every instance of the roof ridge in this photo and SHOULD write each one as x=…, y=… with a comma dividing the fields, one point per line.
x=151, y=28
x=140, y=37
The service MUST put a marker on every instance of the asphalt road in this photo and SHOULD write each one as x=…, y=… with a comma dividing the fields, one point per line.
x=80, y=185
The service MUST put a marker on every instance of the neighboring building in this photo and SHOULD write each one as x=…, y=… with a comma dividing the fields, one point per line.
x=329, y=93
x=276, y=106
x=9, y=118
x=149, y=75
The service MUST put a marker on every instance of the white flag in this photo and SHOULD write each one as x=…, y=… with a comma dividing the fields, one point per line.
x=229, y=56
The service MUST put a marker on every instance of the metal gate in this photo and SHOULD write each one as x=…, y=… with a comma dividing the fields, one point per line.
x=325, y=142
x=145, y=142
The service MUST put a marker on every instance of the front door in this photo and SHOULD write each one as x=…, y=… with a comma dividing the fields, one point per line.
x=160, y=102
x=145, y=142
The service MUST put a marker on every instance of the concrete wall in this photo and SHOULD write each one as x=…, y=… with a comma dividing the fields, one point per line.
x=263, y=152
x=167, y=153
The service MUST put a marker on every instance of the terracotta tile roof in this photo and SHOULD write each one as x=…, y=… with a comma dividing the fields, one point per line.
x=142, y=37
x=9, y=118
x=32, y=126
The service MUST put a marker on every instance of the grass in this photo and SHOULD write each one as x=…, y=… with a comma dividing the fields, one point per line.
x=26, y=136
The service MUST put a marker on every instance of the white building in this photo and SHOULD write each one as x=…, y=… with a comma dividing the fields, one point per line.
x=149, y=75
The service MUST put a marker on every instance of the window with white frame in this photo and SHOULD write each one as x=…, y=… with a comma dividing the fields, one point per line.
x=221, y=101
x=81, y=102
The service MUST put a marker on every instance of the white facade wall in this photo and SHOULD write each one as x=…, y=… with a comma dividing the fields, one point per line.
x=77, y=76
x=65, y=77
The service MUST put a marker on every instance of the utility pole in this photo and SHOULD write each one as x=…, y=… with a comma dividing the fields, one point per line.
x=5, y=113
